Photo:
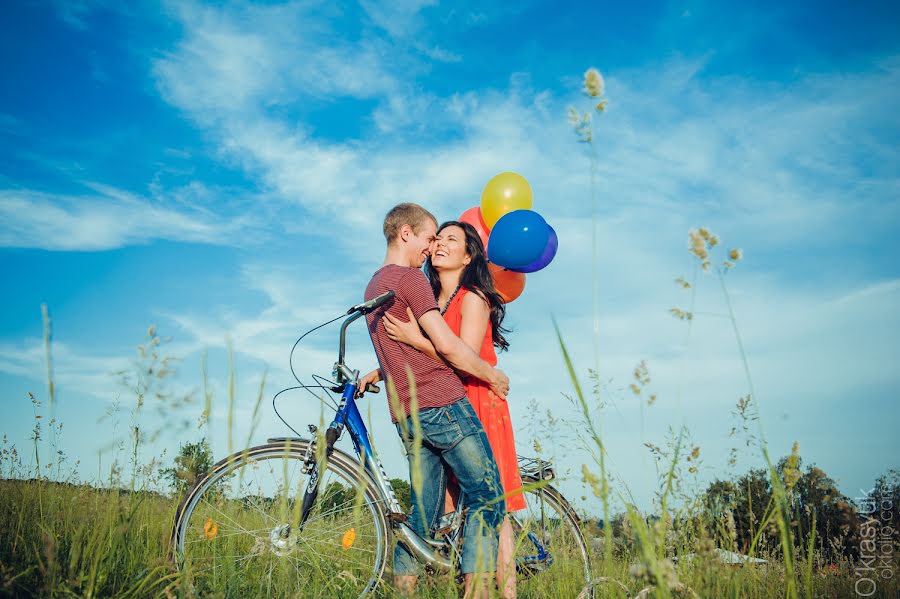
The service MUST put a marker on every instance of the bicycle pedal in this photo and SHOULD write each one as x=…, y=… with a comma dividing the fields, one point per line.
x=446, y=524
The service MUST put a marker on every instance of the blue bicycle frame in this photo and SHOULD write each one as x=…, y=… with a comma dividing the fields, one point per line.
x=348, y=416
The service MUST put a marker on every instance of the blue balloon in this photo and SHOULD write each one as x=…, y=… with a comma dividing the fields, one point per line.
x=518, y=239
x=546, y=258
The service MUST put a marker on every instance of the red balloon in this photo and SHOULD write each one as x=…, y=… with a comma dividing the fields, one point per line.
x=509, y=284
x=474, y=218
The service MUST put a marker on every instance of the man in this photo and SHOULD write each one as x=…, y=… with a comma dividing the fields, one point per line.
x=451, y=432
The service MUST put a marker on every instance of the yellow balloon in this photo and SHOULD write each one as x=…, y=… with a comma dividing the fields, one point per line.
x=504, y=193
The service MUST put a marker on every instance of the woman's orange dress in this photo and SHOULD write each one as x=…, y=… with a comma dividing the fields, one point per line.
x=492, y=411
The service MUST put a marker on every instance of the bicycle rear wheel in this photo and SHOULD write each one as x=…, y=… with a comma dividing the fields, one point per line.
x=551, y=556
x=236, y=531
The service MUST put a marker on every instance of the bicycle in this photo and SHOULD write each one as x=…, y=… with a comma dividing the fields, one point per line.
x=300, y=517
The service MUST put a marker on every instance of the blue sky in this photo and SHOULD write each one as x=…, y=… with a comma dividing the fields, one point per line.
x=221, y=170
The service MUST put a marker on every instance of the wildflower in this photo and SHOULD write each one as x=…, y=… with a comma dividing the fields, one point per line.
x=591, y=479
x=681, y=314
x=663, y=575
x=706, y=547
x=581, y=123
x=652, y=399
x=593, y=83
x=730, y=527
x=601, y=106
x=735, y=254
x=697, y=242
x=792, y=467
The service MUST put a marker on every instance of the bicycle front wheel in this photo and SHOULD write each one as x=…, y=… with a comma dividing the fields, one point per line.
x=551, y=556
x=237, y=531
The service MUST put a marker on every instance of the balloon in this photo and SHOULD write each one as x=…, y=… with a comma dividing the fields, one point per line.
x=473, y=217
x=546, y=258
x=509, y=284
x=503, y=194
x=518, y=239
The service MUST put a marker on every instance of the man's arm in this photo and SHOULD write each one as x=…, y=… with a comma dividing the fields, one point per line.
x=460, y=355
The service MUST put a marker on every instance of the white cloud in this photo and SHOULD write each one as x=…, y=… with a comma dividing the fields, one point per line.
x=73, y=369
x=399, y=19
x=108, y=219
x=245, y=59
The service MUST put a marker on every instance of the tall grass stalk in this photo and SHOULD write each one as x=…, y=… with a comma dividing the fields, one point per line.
x=782, y=511
x=207, y=397
x=594, y=434
x=231, y=377
x=417, y=477
x=48, y=356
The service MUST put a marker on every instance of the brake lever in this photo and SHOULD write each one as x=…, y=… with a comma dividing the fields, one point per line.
x=370, y=388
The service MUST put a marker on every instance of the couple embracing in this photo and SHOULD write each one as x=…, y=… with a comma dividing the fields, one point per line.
x=436, y=342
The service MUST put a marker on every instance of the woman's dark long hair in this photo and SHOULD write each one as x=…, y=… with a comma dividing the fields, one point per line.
x=476, y=277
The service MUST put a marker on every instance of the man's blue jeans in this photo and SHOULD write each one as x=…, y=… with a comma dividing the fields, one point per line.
x=453, y=437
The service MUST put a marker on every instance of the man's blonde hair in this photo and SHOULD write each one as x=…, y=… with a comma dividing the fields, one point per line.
x=405, y=214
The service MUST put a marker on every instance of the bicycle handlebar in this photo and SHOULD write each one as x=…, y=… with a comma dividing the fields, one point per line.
x=373, y=303
x=359, y=310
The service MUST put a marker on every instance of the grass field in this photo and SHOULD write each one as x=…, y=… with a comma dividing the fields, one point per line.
x=59, y=539
x=61, y=536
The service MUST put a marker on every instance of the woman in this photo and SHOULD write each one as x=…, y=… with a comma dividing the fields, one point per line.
x=459, y=275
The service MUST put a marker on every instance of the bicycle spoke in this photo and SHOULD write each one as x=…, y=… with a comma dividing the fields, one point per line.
x=551, y=555
x=240, y=533
x=226, y=535
x=224, y=515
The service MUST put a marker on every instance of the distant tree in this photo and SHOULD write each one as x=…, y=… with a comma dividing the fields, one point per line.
x=746, y=499
x=883, y=505
x=402, y=491
x=193, y=461
x=754, y=492
x=887, y=487
x=720, y=497
x=335, y=497
x=816, y=500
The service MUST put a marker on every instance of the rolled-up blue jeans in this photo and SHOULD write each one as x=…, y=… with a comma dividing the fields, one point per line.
x=453, y=438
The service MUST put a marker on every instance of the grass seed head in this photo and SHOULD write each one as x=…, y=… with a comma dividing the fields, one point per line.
x=593, y=83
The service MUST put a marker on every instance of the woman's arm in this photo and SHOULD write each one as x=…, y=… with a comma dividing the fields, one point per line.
x=476, y=317
x=410, y=333
x=460, y=356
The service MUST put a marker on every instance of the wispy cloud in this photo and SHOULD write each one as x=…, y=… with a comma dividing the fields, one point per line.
x=74, y=370
x=787, y=158
x=107, y=219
